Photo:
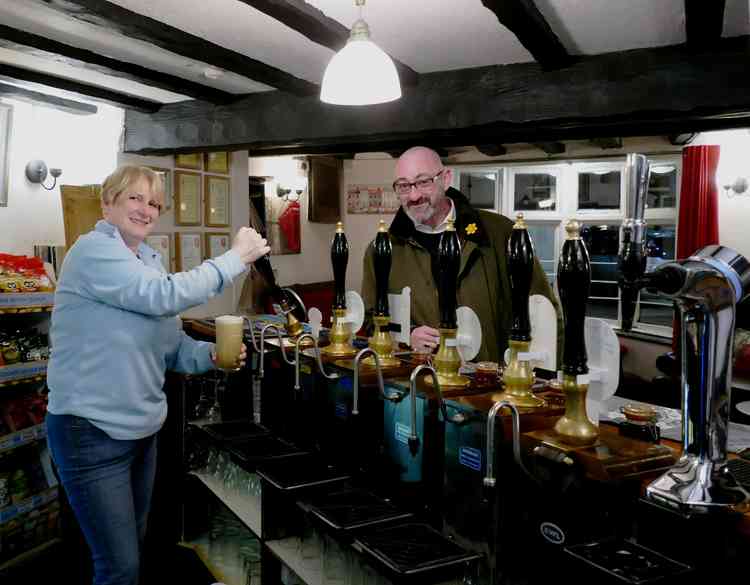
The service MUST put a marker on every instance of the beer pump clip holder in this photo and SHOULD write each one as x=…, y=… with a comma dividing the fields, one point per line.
x=604, y=365
x=355, y=311
x=355, y=315
x=543, y=350
x=400, y=307
x=315, y=320
x=469, y=335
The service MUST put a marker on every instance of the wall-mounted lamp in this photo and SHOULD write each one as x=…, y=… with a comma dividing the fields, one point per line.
x=739, y=187
x=36, y=172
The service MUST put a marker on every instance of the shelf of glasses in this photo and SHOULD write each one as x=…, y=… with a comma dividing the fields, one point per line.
x=245, y=506
x=222, y=571
x=308, y=568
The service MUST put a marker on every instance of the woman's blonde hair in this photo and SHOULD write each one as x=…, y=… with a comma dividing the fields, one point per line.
x=125, y=177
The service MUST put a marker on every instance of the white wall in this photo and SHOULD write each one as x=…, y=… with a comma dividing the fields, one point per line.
x=239, y=216
x=371, y=169
x=84, y=147
x=734, y=212
x=313, y=264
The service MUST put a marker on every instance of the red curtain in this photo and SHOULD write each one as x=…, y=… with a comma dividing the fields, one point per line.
x=698, y=224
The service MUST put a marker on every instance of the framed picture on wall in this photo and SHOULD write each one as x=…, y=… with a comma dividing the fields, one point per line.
x=188, y=250
x=162, y=243
x=187, y=198
x=166, y=176
x=217, y=162
x=216, y=244
x=189, y=161
x=217, y=201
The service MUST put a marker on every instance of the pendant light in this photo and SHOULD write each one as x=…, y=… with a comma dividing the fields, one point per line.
x=361, y=73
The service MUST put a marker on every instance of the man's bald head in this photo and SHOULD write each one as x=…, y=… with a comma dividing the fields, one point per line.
x=420, y=158
x=426, y=203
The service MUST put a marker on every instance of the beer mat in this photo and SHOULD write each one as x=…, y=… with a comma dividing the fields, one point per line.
x=260, y=321
x=670, y=423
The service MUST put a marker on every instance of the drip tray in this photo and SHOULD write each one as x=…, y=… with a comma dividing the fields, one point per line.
x=353, y=508
x=740, y=469
x=412, y=549
x=307, y=471
x=253, y=452
x=235, y=430
x=629, y=562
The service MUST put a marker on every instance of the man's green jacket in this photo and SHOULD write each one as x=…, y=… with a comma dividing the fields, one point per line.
x=483, y=282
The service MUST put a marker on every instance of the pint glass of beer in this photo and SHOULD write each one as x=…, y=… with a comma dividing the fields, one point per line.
x=229, y=333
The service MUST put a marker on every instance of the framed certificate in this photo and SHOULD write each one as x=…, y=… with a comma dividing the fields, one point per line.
x=188, y=250
x=187, y=198
x=162, y=243
x=217, y=162
x=216, y=244
x=189, y=161
x=166, y=176
x=217, y=201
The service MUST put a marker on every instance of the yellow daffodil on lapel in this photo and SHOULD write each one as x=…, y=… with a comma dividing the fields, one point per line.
x=471, y=229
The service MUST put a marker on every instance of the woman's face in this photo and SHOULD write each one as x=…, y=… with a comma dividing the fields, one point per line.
x=134, y=212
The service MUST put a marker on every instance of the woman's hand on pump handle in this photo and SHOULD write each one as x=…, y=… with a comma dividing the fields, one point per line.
x=250, y=245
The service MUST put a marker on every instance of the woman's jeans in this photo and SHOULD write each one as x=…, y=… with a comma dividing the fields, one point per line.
x=109, y=485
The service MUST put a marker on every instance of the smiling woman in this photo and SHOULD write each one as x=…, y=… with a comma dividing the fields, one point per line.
x=132, y=199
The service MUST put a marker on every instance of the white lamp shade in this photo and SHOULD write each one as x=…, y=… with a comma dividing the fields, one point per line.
x=360, y=74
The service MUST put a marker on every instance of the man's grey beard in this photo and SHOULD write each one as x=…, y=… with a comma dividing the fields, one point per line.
x=431, y=211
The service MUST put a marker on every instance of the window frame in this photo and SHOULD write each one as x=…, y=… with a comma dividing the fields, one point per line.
x=566, y=207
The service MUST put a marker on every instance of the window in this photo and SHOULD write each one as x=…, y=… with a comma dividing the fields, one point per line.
x=479, y=187
x=599, y=190
x=592, y=192
x=662, y=187
x=545, y=247
x=653, y=308
x=534, y=191
x=603, y=243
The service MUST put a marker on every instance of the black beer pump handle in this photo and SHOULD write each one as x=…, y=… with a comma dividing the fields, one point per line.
x=339, y=260
x=263, y=266
x=573, y=282
x=520, y=254
x=382, y=260
x=449, y=261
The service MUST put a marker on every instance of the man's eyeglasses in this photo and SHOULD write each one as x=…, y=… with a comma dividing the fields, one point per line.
x=424, y=185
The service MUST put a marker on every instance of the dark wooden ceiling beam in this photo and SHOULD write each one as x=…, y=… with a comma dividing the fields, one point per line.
x=131, y=24
x=607, y=142
x=31, y=44
x=524, y=20
x=319, y=28
x=106, y=96
x=642, y=92
x=704, y=21
x=492, y=149
x=36, y=97
x=682, y=139
x=550, y=148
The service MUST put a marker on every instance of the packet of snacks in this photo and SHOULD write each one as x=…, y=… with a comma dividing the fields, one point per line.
x=23, y=274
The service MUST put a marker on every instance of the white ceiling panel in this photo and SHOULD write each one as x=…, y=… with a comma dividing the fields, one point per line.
x=590, y=27
x=34, y=17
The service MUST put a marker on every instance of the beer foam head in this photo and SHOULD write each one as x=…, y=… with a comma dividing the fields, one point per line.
x=228, y=320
